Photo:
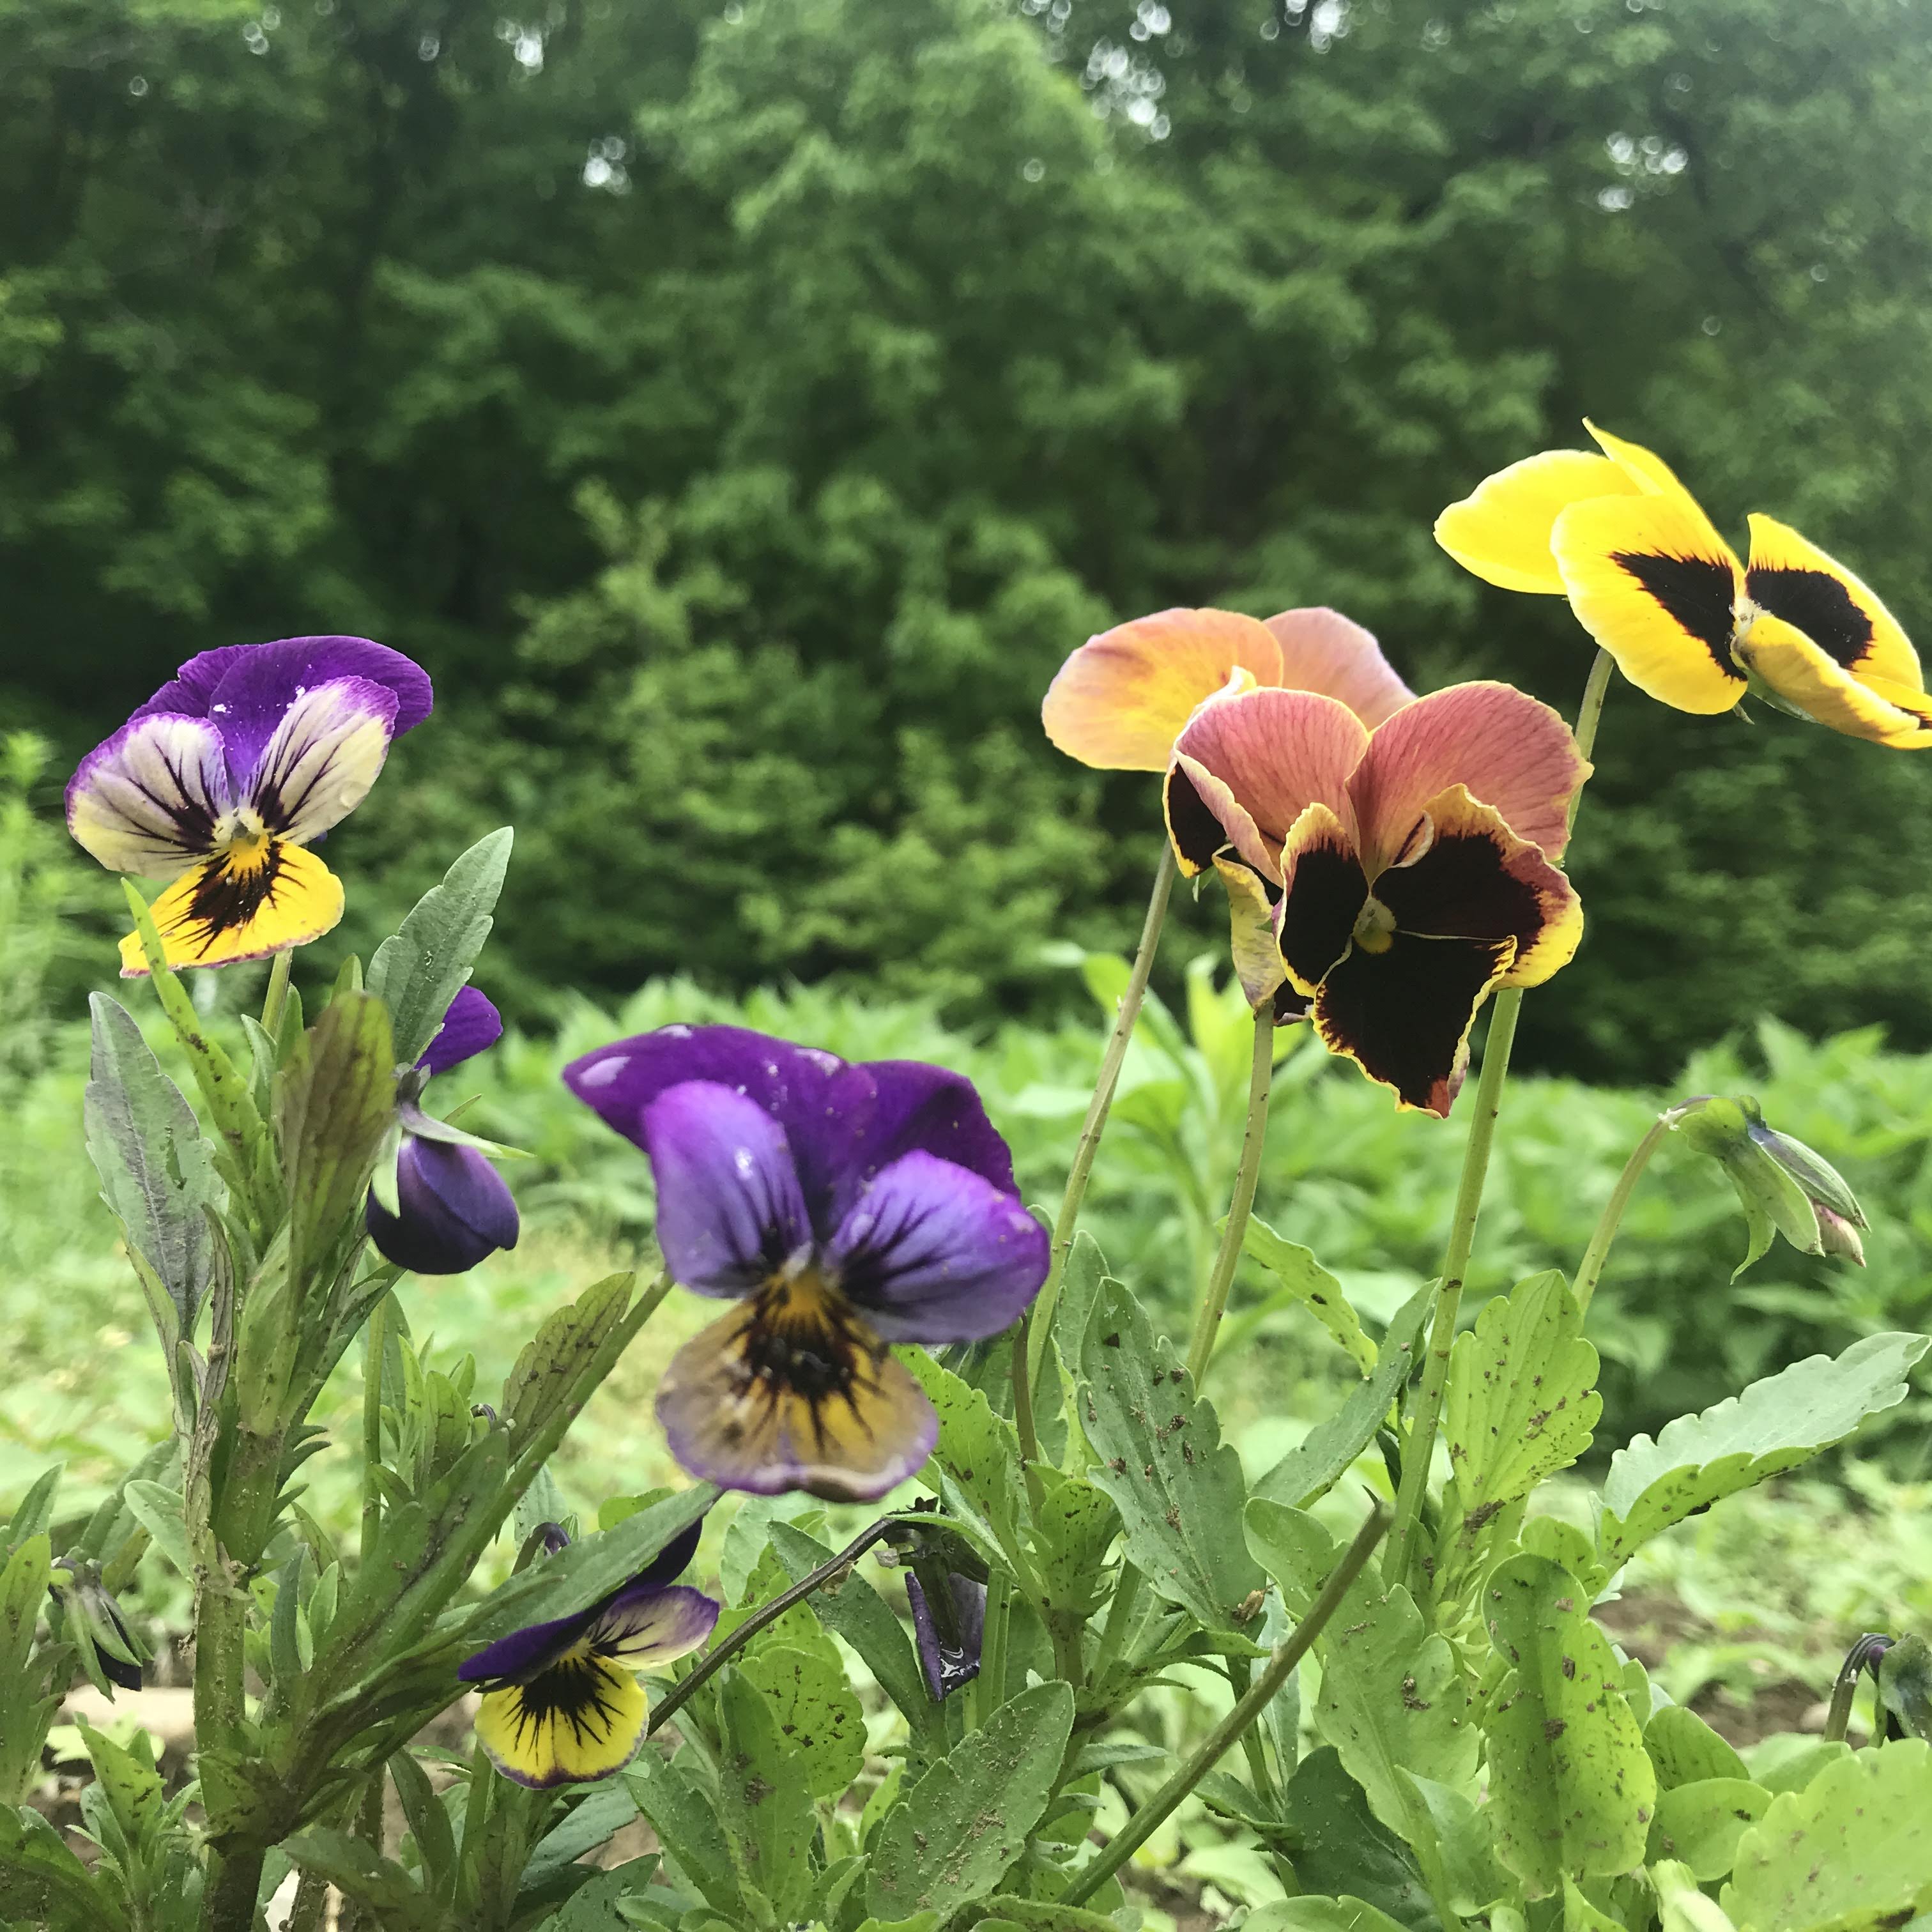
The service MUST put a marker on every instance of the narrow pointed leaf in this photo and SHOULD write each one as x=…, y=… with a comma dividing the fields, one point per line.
x=427, y=962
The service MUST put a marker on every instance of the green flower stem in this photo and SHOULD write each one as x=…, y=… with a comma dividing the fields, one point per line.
x=1421, y=1446
x=1120, y=1624
x=1214, y=1301
x=375, y=1344
x=1419, y=1450
x=1024, y=1424
x=276, y=998
x=1253, y=1701
x=1838, y=1718
x=989, y=1687
x=1096, y=1122
x=715, y=1659
x=1591, y=1266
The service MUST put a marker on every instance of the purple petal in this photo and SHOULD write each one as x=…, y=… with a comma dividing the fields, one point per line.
x=471, y=1024
x=245, y=688
x=454, y=1210
x=148, y=799
x=729, y=1211
x=322, y=757
x=932, y=1253
x=653, y=1623
x=947, y=1666
x=520, y=1655
x=673, y=1559
x=843, y=1122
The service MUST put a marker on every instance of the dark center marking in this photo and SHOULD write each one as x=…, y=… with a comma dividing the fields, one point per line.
x=1815, y=602
x=1695, y=592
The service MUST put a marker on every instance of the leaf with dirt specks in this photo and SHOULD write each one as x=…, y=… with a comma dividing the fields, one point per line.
x=816, y=1710
x=1700, y=1823
x=1570, y=1786
x=1851, y=1851
x=1304, y=1281
x=1178, y=1487
x=950, y=1838
x=764, y=1802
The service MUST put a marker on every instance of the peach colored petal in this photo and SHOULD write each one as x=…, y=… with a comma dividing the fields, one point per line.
x=1513, y=754
x=1205, y=817
x=1120, y=701
x=1274, y=753
x=1322, y=650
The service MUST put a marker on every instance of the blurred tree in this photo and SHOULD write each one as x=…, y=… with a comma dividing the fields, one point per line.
x=743, y=407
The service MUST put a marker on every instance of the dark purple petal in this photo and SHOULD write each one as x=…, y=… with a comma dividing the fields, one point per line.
x=843, y=1122
x=673, y=1559
x=471, y=1024
x=245, y=688
x=729, y=1212
x=517, y=1657
x=647, y=1623
x=932, y=1253
x=946, y=1665
x=454, y=1210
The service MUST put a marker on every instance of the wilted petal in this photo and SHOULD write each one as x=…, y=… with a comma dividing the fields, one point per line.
x=649, y=1623
x=1475, y=879
x=149, y=800
x=1274, y=753
x=1323, y=651
x=729, y=1210
x=256, y=897
x=1403, y=1014
x=932, y=1253
x=582, y=1719
x=325, y=754
x=471, y=1025
x=792, y=1390
x=1513, y=753
x=244, y=689
x=1251, y=933
x=454, y=1209
x=1501, y=530
x=1119, y=700
x=947, y=1661
x=843, y=1122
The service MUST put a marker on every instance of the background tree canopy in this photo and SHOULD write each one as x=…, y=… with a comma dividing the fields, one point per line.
x=742, y=409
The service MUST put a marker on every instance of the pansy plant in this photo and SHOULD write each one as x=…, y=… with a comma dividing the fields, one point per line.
x=1652, y=580
x=844, y=1208
x=221, y=781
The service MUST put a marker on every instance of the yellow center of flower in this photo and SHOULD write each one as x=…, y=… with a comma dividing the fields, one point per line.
x=1375, y=927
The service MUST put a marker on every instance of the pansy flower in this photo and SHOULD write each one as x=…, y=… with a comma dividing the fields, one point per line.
x=222, y=780
x=1406, y=872
x=1650, y=578
x=560, y=1703
x=843, y=1208
x=448, y=1206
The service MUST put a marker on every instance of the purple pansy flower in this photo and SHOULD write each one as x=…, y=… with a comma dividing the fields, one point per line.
x=223, y=778
x=560, y=1705
x=452, y=1207
x=844, y=1207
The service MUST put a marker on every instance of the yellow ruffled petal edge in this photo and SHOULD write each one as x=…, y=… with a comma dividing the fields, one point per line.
x=1789, y=664
x=1647, y=471
x=260, y=896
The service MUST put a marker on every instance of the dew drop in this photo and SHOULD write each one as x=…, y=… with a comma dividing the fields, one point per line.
x=601, y=1073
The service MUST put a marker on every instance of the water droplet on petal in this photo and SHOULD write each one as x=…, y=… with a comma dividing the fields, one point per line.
x=601, y=1073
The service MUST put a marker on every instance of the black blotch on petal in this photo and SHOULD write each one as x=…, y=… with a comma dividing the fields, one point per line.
x=1198, y=834
x=1815, y=602
x=1461, y=889
x=1694, y=592
x=1324, y=902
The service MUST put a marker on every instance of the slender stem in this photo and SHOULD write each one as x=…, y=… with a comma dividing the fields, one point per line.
x=1260, y=1780
x=1119, y=1626
x=1589, y=715
x=1021, y=1355
x=715, y=1659
x=1095, y=1123
x=276, y=997
x=1249, y=1706
x=1605, y=1232
x=1214, y=1301
x=991, y=1681
x=1421, y=1446
x=311, y=1900
x=375, y=1343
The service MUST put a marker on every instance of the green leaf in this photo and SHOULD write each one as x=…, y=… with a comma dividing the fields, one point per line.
x=1686, y=1751
x=361, y=1873
x=335, y=1100
x=156, y=1171
x=1048, y=1916
x=1310, y=1914
x=1851, y=1851
x=565, y=1344
x=1345, y=1851
x=428, y=1820
x=763, y=1802
x=850, y=1608
x=978, y=1453
x=1068, y=1545
x=1774, y=1425
x=1905, y=1684
x=160, y=1511
x=950, y=1839
x=1700, y=1823
x=1522, y=1403
x=417, y=972
x=43, y=1884
x=1304, y=1280
x=27, y=1701
x=35, y=1511
x=816, y=1713
x=685, y=1820
x=1327, y=1452
x=603, y=1810
x=1570, y=1783
x=1178, y=1486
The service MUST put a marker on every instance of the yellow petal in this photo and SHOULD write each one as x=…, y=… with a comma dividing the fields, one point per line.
x=1653, y=582
x=260, y=895
x=1501, y=530
x=1809, y=680
x=1648, y=473
x=1251, y=933
x=580, y=1719
x=1796, y=581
